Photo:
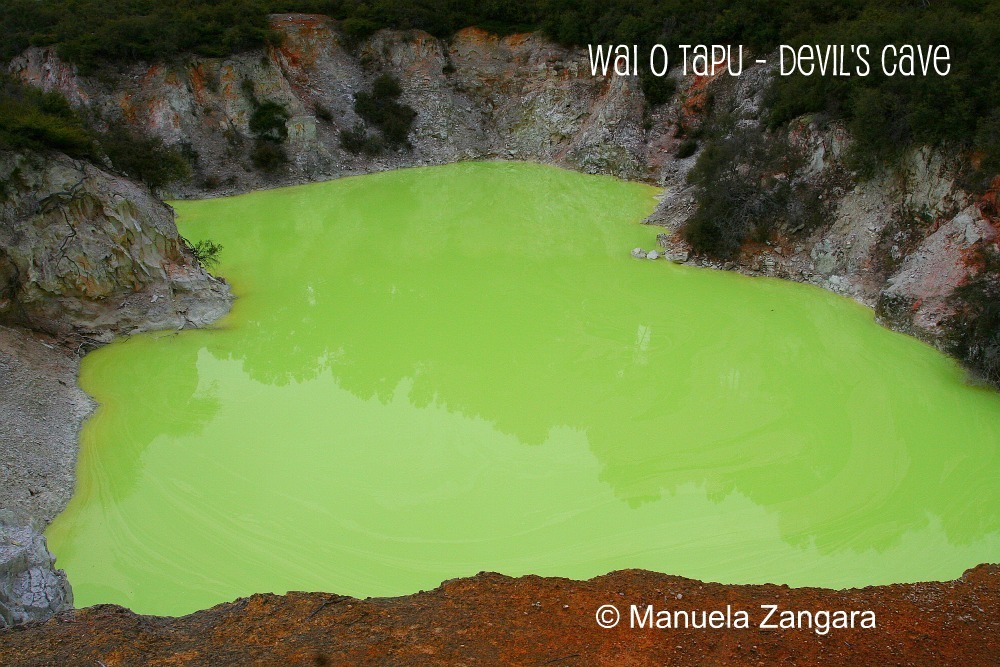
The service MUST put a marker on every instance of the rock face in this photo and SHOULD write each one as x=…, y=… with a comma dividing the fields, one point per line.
x=90, y=253
x=899, y=242
x=31, y=588
x=476, y=96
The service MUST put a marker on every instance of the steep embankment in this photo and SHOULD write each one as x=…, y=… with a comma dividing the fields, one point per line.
x=490, y=619
x=86, y=253
x=476, y=96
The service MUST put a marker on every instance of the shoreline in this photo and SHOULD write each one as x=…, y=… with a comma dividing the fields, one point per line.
x=42, y=409
x=530, y=620
x=50, y=369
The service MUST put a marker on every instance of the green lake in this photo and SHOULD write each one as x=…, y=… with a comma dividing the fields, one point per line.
x=438, y=371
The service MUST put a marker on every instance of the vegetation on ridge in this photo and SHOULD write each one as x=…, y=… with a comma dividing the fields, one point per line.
x=886, y=114
x=269, y=125
x=34, y=120
x=974, y=331
x=380, y=109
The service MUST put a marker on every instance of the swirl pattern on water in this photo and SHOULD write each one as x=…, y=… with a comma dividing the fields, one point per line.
x=438, y=371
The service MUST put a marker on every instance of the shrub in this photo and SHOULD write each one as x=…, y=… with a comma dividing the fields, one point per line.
x=268, y=155
x=381, y=109
x=35, y=120
x=269, y=121
x=657, y=89
x=144, y=158
x=687, y=148
x=206, y=252
x=357, y=140
x=973, y=333
x=745, y=189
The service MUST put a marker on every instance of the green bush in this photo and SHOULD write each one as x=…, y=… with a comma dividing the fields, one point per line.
x=35, y=120
x=92, y=32
x=144, y=158
x=381, y=109
x=745, y=189
x=888, y=114
x=269, y=125
x=268, y=155
x=358, y=141
x=658, y=90
x=206, y=252
x=687, y=148
x=269, y=121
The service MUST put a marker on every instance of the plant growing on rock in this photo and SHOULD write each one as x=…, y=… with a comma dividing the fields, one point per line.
x=381, y=109
x=745, y=189
x=206, y=251
x=35, y=120
x=268, y=155
x=357, y=140
x=269, y=125
x=269, y=121
x=973, y=332
x=142, y=157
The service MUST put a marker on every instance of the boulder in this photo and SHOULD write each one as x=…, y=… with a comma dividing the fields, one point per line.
x=31, y=588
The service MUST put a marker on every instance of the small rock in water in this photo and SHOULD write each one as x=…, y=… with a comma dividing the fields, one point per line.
x=676, y=256
x=652, y=254
x=638, y=253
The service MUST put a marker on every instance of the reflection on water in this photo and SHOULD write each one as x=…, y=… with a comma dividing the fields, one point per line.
x=438, y=371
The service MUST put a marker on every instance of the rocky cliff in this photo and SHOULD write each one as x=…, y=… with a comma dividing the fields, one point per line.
x=476, y=96
x=85, y=252
x=84, y=255
x=900, y=241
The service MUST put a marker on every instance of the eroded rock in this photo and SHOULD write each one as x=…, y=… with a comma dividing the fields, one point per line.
x=84, y=251
x=31, y=588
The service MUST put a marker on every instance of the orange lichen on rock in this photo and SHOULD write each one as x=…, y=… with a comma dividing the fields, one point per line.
x=696, y=95
x=989, y=203
x=303, y=34
x=129, y=110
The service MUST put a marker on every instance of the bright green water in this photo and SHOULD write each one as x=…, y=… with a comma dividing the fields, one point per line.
x=438, y=371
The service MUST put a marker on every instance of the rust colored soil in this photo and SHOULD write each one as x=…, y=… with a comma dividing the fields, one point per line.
x=491, y=619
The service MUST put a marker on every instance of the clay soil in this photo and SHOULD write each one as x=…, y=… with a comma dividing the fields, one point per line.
x=491, y=619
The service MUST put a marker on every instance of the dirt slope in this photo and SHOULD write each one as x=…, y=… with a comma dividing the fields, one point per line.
x=490, y=619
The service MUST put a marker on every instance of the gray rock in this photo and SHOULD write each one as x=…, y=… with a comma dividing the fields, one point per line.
x=41, y=409
x=652, y=254
x=31, y=588
x=676, y=256
x=638, y=253
x=86, y=251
